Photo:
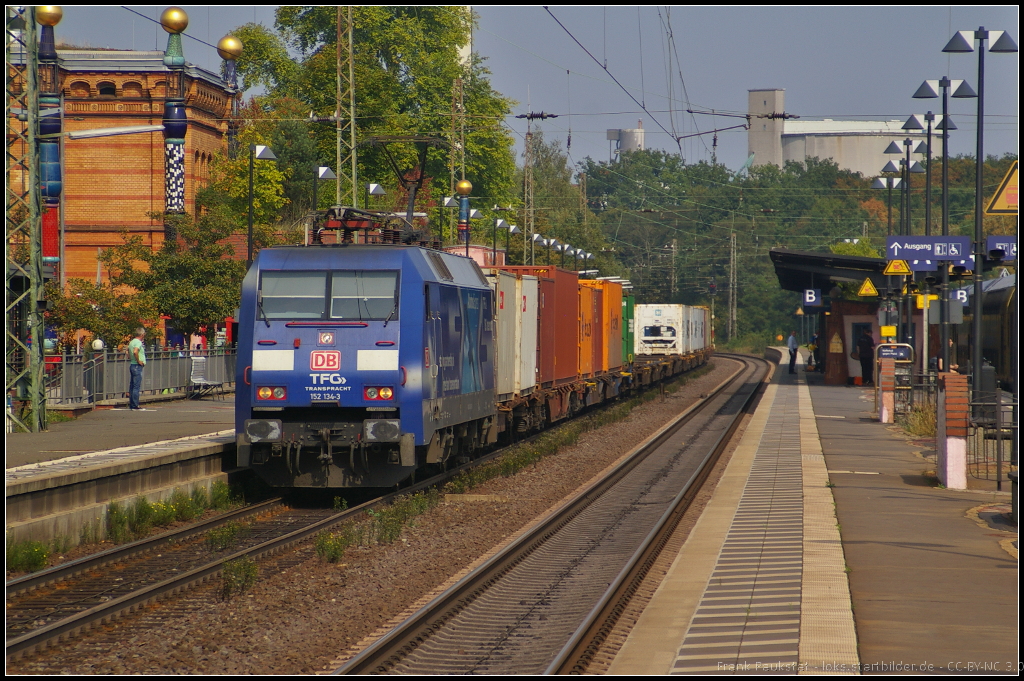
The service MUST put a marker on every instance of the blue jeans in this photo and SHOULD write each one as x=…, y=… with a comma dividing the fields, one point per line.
x=135, y=387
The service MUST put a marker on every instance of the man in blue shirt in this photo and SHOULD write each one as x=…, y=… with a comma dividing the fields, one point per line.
x=793, y=345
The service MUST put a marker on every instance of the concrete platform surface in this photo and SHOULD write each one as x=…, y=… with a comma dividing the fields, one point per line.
x=931, y=583
x=826, y=550
x=105, y=429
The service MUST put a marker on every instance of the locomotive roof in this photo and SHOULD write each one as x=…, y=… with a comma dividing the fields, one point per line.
x=431, y=265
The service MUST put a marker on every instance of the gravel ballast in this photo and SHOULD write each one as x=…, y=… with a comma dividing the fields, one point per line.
x=304, y=615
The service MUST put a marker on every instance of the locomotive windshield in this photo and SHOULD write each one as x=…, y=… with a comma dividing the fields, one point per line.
x=345, y=294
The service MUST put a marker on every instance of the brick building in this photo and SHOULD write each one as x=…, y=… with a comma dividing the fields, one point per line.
x=111, y=183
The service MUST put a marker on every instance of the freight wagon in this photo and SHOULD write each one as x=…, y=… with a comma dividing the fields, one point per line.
x=359, y=363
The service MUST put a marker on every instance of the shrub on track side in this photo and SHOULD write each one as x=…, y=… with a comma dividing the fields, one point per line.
x=27, y=556
x=238, y=576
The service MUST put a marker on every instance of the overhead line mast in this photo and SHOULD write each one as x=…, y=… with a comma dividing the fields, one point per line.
x=528, y=177
x=345, y=113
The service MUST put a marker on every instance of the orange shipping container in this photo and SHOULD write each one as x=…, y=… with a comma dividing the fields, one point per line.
x=589, y=333
x=608, y=340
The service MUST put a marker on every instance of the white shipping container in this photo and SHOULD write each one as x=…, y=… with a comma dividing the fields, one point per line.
x=526, y=345
x=506, y=321
x=658, y=329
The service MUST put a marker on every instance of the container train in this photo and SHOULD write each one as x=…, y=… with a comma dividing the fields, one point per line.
x=359, y=363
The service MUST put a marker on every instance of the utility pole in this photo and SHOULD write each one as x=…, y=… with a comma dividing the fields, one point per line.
x=24, y=298
x=672, y=280
x=345, y=115
x=732, y=286
x=528, y=177
x=456, y=140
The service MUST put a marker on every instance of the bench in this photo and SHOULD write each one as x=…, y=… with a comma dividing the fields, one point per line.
x=199, y=385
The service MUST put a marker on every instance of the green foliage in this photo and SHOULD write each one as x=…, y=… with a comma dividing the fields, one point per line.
x=340, y=504
x=190, y=278
x=117, y=523
x=406, y=60
x=27, y=556
x=238, y=576
x=331, y=546
x=222, y=497
x=920, y=421
x=220, y=538
x=108, y=311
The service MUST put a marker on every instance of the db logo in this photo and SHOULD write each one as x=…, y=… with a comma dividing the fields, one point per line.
x=325, y=360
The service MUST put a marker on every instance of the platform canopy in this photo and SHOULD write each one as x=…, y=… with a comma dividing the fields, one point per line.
x=800, y=270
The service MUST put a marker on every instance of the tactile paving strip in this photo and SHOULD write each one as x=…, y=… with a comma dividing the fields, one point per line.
x=748, y=619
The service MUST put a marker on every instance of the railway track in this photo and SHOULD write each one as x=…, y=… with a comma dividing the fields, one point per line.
x=545, y=602
x=59, y=603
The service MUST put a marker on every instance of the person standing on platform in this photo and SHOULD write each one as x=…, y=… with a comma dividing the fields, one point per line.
x=793, y=345
x=866, y=355
x=137, y=357
x=816, y=351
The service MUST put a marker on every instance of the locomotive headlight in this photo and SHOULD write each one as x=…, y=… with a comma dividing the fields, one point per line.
x=264, y=393
x=386, y=393
x=279, y=393
x=271, y=393
x=371, y=393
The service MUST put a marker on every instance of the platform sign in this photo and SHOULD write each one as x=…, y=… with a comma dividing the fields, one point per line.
x=898, y=352
x=919, y=299
x=812, y=297
x=1004, y=201
x=1007, y=244
x=888, y=331
x=867, y=288
x=897, y=267
x=961, y=295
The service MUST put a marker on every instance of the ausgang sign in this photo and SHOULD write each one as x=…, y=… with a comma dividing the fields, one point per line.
x=923, y=253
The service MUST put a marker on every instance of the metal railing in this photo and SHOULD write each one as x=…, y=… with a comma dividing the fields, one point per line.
x=992, y=439
x=94, y=377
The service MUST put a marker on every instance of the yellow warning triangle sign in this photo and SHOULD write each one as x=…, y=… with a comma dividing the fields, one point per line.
x=867, y=288
x=1004, y=202
x=897, y=267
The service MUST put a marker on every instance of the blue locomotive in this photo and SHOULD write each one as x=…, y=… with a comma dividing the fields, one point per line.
x=358, y=364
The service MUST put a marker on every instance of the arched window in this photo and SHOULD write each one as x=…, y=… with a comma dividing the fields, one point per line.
x=132, y=89
x=79, y=88
x=106, y=89
x=159, y=89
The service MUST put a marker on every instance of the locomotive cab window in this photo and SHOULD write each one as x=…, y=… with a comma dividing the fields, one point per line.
x=346, y=294
x=293, y=295
x=364, y=294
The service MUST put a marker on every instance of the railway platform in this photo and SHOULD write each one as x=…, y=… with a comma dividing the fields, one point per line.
x=59, y=482
x=825, y=549
x=105, y=429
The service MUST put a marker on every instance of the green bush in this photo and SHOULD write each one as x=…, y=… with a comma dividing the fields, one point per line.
x=140, y=517
x=222, y=497
x=219, y=538
x=920, y=421
x=330, y=546
x=238, y=576
x=117, y=523
x=27, y=556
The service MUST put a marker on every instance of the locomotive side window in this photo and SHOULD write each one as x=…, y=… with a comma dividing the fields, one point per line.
x=293, y=295
x=364, y=294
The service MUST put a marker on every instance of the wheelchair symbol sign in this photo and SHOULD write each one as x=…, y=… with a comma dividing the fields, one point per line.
x=954, y=249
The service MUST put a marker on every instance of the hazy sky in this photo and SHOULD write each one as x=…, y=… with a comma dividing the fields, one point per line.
x=834, y=62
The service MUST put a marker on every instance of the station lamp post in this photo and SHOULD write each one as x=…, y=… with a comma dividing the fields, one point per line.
x=321, y=173
x=512, y=229
x=373, y=189
x=534, y=239
x=963, y=41
x=498, y=224
x=888, y=182
x=262, y=153
x=930, y=90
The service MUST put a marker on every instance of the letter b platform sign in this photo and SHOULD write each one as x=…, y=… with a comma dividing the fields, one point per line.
x=812, y=297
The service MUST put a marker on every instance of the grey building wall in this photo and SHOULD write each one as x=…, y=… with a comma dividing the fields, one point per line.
x=764, y=139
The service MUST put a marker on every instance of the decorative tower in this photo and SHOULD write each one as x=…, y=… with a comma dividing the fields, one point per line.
x=174, y=21
x=463, y=188
x=230, y=48
x=50, y=128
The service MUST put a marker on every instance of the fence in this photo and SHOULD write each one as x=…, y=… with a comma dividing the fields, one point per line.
x=99, y=376
x=992, y=443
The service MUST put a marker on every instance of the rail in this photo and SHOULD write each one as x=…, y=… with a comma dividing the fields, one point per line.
x=96, y=377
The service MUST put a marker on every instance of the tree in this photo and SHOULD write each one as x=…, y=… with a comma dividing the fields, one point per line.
x=109, y=312
x=192, y=278
x=406, y=60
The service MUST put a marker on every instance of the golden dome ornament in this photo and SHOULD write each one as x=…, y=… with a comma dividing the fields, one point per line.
x=229, y=47
x=174, y=20
x=464, y=187
x=49, y=15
